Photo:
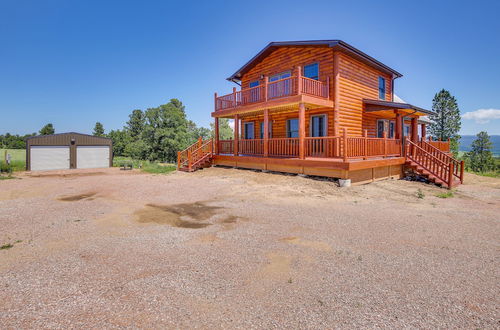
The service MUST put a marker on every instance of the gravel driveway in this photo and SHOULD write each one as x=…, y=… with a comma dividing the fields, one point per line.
x=227, y=248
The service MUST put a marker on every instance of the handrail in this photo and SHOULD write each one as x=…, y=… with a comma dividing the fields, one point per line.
x=458, y=166
x=440, y=169
x=194, y=153
x=289, y=86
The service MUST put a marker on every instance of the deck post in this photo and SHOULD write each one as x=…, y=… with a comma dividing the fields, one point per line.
x=265, y=134
x=385, y=143
x=462, y=172
x=216, y=124
x=189, y=161
x=236, y=134
x=414, y=129
x=344, y=138
x=424, y=131
x=299, y=80
x=215, y=101
x=302, y=130
x=234, y=97
x=365, y=144
x=336, y=93
x=266, y=81
x=450, y=176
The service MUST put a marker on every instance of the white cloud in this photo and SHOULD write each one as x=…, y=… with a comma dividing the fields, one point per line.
x=482, y=116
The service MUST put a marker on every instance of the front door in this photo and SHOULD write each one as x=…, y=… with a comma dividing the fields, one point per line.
x=317, y=147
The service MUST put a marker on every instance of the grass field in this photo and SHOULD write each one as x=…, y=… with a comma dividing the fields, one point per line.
x=18, y=158
x=145, y=165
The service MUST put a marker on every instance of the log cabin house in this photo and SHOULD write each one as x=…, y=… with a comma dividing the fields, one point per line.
x=329, y=110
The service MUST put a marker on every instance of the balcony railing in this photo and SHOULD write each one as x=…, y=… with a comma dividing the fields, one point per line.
x=344, y=147
x=297, y=85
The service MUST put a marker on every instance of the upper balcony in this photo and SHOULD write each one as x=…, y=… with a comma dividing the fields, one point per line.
x=286, y=92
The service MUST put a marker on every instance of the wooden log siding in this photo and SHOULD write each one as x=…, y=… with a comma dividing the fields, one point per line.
x=287, y=59
x=357, y=81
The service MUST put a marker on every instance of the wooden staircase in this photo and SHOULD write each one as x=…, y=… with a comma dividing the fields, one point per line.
x=437, y=166
x=196, y=156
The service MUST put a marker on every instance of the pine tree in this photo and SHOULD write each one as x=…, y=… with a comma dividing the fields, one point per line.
x=135, y=125
x=480, y=158
x=446, y=122
x=47, y=129
x=98, y=129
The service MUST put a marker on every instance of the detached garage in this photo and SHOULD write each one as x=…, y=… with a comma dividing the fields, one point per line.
x=68, y=150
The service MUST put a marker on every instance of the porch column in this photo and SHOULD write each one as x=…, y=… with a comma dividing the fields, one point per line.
x=299, y=80
x=302, y=130
x=216, y=133
x=398, y=128
x=265, y=134
x=424, y=131
x=414, y=129
x=336, y=93
x=236, y=134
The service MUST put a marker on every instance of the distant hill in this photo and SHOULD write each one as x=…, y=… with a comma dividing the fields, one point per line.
x=466, y=141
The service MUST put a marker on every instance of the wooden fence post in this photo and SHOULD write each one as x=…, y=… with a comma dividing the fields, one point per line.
x=462, y=172
x=450, y=175
x=365, y=144
x=385, y=143
x=345, y=143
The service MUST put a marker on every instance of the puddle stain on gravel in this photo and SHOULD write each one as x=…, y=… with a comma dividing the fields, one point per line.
x=172, y=214
x=316, y=245
x=78, y=197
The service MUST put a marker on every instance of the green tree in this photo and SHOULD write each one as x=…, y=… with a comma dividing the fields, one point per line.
x=121, y=139
x=98, y=129
x=47, y=129
x=194, y=132
x=135, y=124
x=446, y=122
x=165, y=131
x=225, y=131
x=480, y=158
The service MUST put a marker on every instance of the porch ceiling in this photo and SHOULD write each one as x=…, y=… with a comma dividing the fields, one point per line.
x=386, y=108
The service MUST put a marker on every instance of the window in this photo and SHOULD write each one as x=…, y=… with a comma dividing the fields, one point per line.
x=392, y=125
x=292, y=128
x=279, y=76
x=407, y=130
x=381, y=88
x=249, y=132
x=261, y=130
x=318, y=125
x=254, y=83
x=380, y=128
x=312, y=71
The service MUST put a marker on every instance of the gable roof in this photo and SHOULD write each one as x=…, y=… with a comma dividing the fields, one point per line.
x=335, y=44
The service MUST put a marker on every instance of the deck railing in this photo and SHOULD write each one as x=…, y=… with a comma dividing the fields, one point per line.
x=346, y=147
x=441, y=145
x=290, y=86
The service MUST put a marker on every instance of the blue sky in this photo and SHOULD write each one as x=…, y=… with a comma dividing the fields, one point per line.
x=73, y=63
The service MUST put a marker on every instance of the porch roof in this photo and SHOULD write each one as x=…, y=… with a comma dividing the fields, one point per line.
x=379, y=105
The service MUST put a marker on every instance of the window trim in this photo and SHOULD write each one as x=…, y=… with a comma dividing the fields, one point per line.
x=288, y=127
x=304, y=70
x=325, y=123
x=245, y=130
x=387, y=128
x=254, y=81
x=270, y=133
x=289, y=72
x=385, y=88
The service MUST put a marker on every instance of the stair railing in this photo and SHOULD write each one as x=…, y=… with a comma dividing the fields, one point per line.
x=440, y=169
x=187, y=157
x=458, y=166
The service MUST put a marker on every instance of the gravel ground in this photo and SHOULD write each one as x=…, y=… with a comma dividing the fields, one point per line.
x=227, y=248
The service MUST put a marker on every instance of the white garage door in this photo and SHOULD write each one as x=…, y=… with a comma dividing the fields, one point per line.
x=92, y=156
x=49, y=158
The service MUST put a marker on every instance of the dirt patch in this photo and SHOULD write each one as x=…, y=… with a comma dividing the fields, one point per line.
x=316, y=245
x=171, y=214
x=79, y=197
x=66, y=175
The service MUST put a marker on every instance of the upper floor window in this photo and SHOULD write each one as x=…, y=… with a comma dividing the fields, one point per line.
x=312, y=71
x=280, y=76
x=249, y=130
x=254, y=83
x=381, y=88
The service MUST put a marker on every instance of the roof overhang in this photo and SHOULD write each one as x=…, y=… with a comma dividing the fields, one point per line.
x=335, y=44
x=405, y=108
